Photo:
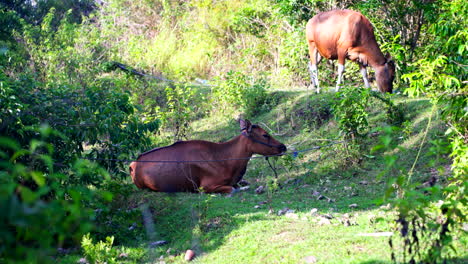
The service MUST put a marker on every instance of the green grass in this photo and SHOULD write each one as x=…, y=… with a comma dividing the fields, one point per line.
x=223, y=229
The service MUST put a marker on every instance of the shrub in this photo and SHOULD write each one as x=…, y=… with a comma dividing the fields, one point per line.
x=100, y=252
x=240, y=92
x=350, y=109
x=428, y=229
x=180, y=110
x=40, y=212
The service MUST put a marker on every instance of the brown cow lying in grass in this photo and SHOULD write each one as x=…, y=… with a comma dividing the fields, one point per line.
x=197, y=165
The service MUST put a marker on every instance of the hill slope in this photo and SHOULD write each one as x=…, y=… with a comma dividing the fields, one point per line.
x=323, y=207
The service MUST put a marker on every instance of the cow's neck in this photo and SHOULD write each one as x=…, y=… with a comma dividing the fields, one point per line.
x=375, y=56
x=236, y=148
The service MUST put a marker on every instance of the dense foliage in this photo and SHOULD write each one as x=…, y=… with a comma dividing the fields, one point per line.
x=441, y=74
x=72, y=114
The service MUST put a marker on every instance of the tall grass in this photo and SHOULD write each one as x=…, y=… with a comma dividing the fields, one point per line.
x=202, y=39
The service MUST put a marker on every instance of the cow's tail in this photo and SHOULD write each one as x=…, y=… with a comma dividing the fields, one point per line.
x=132, y=169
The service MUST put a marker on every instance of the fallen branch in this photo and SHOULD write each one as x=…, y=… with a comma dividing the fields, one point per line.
x=131, y=70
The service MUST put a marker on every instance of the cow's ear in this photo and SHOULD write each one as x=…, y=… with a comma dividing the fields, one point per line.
x=245, y=125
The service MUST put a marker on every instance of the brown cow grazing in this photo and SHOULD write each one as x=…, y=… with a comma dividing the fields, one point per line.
x=346, y=34
x=202, y=165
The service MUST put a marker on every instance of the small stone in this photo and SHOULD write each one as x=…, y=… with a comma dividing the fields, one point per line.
x=260, y=189
x=353, y=205
x=310, y=259
x=363, y=182
x=324, y=221
x=330, y=200
x=348, y=188
x=82, y=261
x=315, y=193
x=133, y=226
x=328, y=216
x=189, y=255
x=243, y=183
x=291, y=215
x=313, y=211
x=283, y=211
x=386, y=207
x=244, y=188
x=321, y=197
x=257, y=206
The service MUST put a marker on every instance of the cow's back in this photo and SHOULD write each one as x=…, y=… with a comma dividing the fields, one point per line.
x=169, y=169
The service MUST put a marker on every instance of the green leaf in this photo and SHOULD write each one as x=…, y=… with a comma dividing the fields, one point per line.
x=27, y=195
x=9, y=143
x=38, y=177
x=106, y=195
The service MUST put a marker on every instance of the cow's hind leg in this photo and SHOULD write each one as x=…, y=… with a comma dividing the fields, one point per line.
x=314, y=61
x=341, y=69
x=218, y=189
x=364, y=75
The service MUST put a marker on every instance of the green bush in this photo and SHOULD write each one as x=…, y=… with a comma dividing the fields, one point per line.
x=40, y=212
x=100, y=252
x=350, y=109
x=428, y=229
x=180, y=111
x=239, y=92
x=64, y=86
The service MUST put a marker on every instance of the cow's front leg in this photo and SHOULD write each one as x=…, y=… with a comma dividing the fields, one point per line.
x=363, y=71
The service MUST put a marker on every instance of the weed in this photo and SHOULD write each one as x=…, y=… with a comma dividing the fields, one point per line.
x=100, y=252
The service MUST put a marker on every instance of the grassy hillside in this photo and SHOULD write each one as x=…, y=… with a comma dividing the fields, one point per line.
x=334, y=194
x=85, y=86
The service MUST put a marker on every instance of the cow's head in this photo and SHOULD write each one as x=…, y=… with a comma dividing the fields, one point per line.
x=385, y=74
x=259, y=141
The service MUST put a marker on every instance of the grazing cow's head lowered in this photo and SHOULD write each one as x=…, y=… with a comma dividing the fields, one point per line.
x=260, y=141
x=385, y=74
